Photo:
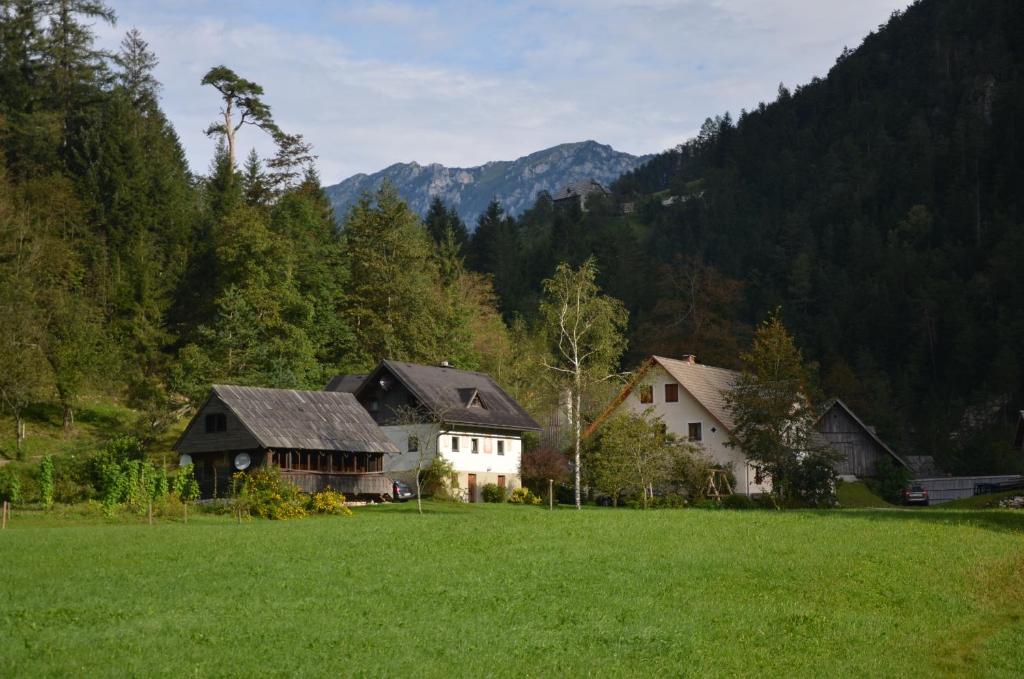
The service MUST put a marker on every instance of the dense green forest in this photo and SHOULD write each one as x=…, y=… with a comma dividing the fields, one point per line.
x=126, y=273
x=879, y=207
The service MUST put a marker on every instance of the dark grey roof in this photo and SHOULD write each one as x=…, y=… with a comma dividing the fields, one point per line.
x=577, y=189
x=347, y=383
x=306, y=420
x=448, y=392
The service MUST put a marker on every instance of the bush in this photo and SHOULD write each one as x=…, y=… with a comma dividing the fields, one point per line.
x=185, y=485
x=10, y=484
x=264, y=493
x=439, y=479
x=329, y=501
x=705, y=503
x=133, y=483
x=492, y=492
x=737, y=501
x=890, y=480
x=523, y=496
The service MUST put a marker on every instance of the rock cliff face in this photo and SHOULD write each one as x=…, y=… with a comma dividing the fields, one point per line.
x=514, y=182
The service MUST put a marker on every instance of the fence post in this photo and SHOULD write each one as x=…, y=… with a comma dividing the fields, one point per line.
x=186, y=511
x=551, y=494
x=4, y=525
x=151, y=512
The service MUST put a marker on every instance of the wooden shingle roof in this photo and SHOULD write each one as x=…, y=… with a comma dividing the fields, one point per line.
x=305, y=420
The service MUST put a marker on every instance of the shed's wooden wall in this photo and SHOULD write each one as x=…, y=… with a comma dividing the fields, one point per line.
x=861, y=453
x=196, y=440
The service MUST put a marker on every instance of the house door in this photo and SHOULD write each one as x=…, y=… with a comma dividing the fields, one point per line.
x=501, y=480
x=471, y=482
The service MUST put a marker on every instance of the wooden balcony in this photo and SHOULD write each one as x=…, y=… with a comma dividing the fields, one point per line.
x=352, y=485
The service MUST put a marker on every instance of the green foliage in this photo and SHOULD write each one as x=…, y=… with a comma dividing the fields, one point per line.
x=523, y=496
x=493, y=493
x=737, y=501
x=890, y=479
x=439, y=478
x=10, y=484
x=46, y=480
x=184, y=484
x=264, y=493
x=329, y=501
x=774, y=420
x=132, y=483
x=632, y=455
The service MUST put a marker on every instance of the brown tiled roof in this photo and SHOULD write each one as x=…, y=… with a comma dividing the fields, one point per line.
x=706, y=383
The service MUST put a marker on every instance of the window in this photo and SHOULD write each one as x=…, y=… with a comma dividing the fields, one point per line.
x=647, y=393
x=216, y=422
x=414, y=444
x=373, y=405
x=671, y=393
x=501, y=447
x=474, y=445
x=455, y=444
x=695, y=432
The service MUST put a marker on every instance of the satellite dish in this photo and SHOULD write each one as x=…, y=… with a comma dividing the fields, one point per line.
x=185, y=460
x=242, y=461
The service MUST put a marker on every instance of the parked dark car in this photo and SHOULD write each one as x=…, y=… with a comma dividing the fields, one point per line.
x=401, y=491
x=915, y=495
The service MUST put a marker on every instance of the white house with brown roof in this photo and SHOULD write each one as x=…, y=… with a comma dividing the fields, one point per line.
x=469, y=421
x=688, y=397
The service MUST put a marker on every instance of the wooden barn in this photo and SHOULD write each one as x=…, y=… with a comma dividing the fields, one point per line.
x=316, y=438
x=858, y=443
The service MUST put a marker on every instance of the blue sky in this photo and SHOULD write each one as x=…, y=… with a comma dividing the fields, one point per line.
x=460, y=83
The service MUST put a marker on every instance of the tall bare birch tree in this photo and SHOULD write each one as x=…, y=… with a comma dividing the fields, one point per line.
x=586, y=331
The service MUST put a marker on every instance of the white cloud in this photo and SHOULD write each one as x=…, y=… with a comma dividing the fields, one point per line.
x=370, y=84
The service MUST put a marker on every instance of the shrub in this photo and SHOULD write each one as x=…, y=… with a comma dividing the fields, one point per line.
x=439, y=479
x=264, y=493
x=133, y=483
x=492, y=492
x=705, y=503
x=185, y=485
x=890, y=480
x=10, y=484
x=737, y=501
x=523, y=496
x=329, y=501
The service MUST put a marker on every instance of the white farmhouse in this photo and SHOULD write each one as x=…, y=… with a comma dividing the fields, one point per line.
x=468, y=420
x=688, y=397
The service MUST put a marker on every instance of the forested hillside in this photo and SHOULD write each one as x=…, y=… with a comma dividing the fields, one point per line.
x=880, y=208
x=125, y=273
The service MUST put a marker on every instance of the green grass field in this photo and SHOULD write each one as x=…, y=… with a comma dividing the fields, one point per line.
x=518, y=591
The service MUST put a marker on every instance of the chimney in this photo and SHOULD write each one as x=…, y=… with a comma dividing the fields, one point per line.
x=689, y=358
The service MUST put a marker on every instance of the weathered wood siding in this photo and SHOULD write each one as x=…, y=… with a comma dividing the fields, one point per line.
x=351, y=485
x=197, y=440
x=860, y=452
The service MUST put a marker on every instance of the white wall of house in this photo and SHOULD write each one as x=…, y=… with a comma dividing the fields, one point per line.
x=498, y=454
x=687, y=410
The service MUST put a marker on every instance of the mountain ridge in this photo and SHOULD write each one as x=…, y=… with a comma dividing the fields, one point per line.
x=515, y=183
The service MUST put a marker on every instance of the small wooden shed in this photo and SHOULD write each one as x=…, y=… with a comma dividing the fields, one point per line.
x=318, y=439
x=859, y=445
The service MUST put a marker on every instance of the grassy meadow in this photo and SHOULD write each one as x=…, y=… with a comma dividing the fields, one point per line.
x=505, y=590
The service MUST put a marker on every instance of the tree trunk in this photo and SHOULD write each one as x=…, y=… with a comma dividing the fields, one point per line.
x=577, y=401
x=19, y=430
x=69, y=418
